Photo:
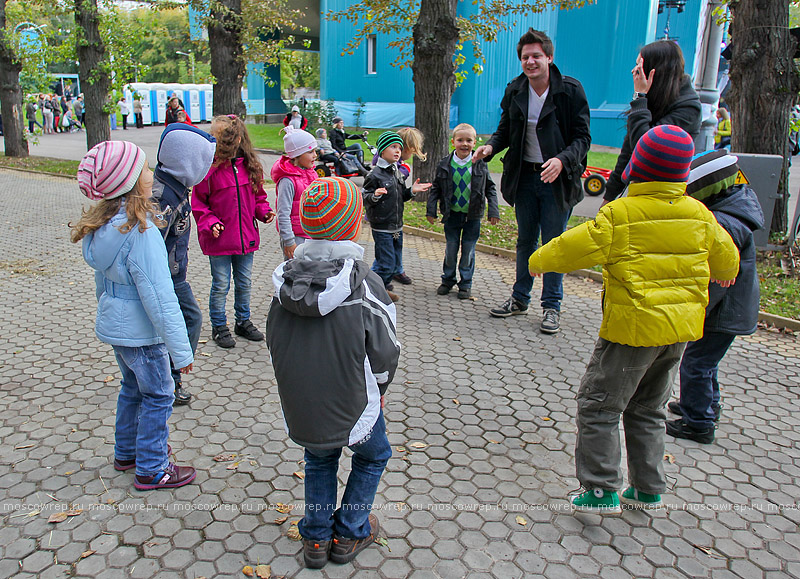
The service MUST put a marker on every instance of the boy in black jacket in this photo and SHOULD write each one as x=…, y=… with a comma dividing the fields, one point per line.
x=461, y=187
x=328, y=300
x=385, y=194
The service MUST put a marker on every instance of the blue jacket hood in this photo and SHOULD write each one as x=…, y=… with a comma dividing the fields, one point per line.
x=741, y=202
x=101, y=247
x=186, y=153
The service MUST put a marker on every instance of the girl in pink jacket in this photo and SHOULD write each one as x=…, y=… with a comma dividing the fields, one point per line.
x=226, y=205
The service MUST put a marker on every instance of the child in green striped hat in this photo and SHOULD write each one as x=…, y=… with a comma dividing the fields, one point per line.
x=385, y=194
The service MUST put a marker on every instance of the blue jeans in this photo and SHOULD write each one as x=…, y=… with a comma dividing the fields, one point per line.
x=460, y=232
x=191, y=315
x=144, y=405
x=388, y=254
x=537, y=212
x=351, y=520
x=699, y=387
x=221, y=266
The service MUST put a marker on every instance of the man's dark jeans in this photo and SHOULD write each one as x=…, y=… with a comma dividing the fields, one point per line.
x=537, y=213
x=699, y=387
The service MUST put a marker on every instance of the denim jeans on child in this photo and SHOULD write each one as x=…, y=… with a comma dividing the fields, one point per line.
x=699, y=387
x=460, y=232
x=537, y=212
x=191, y=315
x=144, y=405
x=322, y=519
x=221, y=266
x=388, y=254
x=635, y=383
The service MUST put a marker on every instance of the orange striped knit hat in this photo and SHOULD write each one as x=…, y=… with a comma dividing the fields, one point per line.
x=110, y=169
x=331, y=208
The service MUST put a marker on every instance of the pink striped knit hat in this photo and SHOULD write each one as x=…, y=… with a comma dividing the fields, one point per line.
x=110, y=169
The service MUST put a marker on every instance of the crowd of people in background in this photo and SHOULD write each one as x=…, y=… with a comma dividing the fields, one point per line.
x=60, y=114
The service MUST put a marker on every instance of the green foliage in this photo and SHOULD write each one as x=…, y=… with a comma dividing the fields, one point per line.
x=360, y=111
x=166, y=31
x=299, y=68
x=396, y=18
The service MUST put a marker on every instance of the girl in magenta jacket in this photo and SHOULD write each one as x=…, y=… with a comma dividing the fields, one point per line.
x=226, y=205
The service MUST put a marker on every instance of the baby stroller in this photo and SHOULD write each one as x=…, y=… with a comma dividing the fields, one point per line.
x=343, y=164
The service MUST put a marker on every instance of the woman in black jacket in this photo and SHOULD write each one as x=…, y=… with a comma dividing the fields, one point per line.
x=663, y=95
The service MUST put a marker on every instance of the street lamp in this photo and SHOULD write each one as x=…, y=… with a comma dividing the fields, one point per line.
x=191, y=60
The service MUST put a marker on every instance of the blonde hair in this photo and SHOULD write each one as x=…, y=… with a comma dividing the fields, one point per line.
x=465, y=128
x=233, y=141
x=138, y=208
x=413, y=140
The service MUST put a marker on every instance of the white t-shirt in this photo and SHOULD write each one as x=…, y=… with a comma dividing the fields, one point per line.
x=295, y=122
x=533, y=153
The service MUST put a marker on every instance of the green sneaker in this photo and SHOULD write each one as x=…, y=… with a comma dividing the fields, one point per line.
x=637, y=500
x=597, y=501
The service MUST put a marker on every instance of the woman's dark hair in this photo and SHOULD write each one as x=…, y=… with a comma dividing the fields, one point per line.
x=667, y=58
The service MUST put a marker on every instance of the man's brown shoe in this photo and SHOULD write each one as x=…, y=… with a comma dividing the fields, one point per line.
x=345, y=550
x=315, y=553
x=394, y=297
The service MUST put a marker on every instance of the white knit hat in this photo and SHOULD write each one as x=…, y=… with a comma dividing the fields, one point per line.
x=297, y=142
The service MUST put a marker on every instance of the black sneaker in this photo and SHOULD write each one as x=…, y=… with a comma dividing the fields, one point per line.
x=222, y=336
x=679, y=429
x=443, y=289
x=389, y=287
x=464, y=294
x=345, y=550
x=550, y=321
x=316, y=553
x=182, y=397
x=510, y=307
x=675, y=408
x=248, y=331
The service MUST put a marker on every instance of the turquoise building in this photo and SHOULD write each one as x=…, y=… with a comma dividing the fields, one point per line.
x=597, y=44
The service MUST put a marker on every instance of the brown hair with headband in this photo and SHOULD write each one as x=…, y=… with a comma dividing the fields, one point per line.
x=233, y=141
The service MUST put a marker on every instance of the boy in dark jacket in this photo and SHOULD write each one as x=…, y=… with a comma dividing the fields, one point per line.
x=385, y=194
x=185, y=155
x=731, y=311
x=327, y=301
x=461, y=188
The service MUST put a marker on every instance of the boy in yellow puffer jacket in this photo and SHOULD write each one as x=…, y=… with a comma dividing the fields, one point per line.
x=659, y=249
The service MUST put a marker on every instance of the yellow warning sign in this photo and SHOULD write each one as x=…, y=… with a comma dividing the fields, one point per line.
x=741, y=179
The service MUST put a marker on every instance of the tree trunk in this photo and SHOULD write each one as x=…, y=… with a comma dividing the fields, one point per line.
x=11, y=95
x=227, y=59
x=93, y=71
x=435, y=40
x=764, y=86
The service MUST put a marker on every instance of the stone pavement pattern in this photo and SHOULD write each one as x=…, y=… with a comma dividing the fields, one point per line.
x=481, y=417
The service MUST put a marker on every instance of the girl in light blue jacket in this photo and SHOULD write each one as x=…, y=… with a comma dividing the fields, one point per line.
x=137, y=310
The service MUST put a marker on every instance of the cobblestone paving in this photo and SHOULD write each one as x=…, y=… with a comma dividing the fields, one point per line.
x=481, y=417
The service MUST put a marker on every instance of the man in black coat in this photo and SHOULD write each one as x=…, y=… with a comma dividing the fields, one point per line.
x=545, y=126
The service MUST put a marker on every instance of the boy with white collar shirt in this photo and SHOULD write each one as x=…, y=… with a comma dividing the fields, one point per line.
x=385, y=194
x=461, y=189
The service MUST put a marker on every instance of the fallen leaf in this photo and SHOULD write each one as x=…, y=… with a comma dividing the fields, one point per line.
x=202, y=341
x=225, y=456
x=281, y=520
x=21, y=446
x=86, y=554
x=233, y=466
x=282, y=508
x=456, y=402
x=253, y=463
x=69, y=472
x=493, y=441
x=108, y=379
x=294, y=533
x=669, y=457
x=382, y=542
x=207, y=355
x=73, y=512
x=57, y=518
x=546, y=418
x=520, y=520
x=248, y=570
x=300, y=475
x=456, y=339
x=418, y=445
x=400, y=449
x=263, y=571
x=709, y=551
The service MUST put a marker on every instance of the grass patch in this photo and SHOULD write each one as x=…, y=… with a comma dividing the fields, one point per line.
x=45, y=164
x=780, y=292
x=502, y=235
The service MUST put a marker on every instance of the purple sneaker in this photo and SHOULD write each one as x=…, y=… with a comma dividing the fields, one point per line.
x=171, y=477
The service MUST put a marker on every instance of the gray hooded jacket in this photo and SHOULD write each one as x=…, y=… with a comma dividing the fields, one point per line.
x=332, y=339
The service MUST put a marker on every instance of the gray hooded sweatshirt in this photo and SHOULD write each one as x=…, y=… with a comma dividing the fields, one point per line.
x=332, y=339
